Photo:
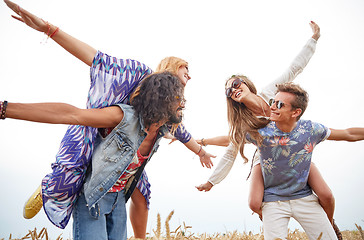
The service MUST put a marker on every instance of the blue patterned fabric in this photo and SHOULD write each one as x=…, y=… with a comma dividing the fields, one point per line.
x=285, y=159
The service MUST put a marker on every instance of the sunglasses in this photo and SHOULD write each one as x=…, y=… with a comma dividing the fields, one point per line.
x=235, y=84
x=278, y=103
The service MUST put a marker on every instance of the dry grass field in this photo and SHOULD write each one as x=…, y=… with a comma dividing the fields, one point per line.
x=184, y=233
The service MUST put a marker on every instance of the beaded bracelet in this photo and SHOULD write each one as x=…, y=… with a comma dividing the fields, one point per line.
x=3, y=106
x=49, y=29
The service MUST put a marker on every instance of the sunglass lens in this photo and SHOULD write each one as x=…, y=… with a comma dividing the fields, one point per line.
x=236, y=83
x=280, y=104
x=229, y=92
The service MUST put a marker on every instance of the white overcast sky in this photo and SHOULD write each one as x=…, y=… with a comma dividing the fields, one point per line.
x=218, y=38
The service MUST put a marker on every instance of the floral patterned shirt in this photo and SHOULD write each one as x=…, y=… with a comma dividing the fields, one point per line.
x=286, y=158
x=130, y=171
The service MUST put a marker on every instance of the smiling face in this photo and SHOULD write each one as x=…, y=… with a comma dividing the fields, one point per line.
x=183, y=74
x=282, y=110
x=176, y=115
x=237, y=89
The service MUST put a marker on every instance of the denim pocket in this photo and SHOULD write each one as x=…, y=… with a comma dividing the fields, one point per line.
x=116, y=147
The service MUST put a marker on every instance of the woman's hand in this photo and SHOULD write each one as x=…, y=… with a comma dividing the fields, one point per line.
x=205, y=187
x=316, y=30
x=29, y=19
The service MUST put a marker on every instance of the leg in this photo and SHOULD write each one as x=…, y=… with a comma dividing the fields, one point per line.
x=139, y=207
x=256, y=191
x=138, y=214
x=84, y=226
x=276, y=217
x=309, y=213
x=116, y=219
x=322, y=190
x=109, y=223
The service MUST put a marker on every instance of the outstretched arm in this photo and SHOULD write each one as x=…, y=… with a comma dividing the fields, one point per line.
x=77, y=48
x=350, y=134
x=185, y=137
x=297, y=65
x=222, y=141
x=62, y=113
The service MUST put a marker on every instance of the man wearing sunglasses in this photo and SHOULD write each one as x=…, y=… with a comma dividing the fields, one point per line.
x=286, y=145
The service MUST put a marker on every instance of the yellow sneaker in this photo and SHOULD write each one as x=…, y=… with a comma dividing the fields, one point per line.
x=33, y=205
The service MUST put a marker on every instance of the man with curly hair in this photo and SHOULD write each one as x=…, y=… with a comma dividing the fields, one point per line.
x=128, y=137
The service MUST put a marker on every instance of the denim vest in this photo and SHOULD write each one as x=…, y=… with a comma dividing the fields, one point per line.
x=113, y=154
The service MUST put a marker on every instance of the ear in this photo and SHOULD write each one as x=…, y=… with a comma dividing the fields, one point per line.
x=296, y=112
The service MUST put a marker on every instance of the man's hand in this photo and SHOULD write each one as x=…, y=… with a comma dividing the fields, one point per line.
x=206, y=160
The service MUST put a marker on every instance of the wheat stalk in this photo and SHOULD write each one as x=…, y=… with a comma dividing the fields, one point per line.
x=360, y=231
x=181, y=234
x=157, y=233
x=168, y=233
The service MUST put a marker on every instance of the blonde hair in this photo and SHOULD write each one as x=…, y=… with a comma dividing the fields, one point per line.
x=171, y=64
x=242, y=120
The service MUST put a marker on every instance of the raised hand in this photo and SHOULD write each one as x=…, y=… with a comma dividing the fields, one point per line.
x=316, y=30
x=28, y=18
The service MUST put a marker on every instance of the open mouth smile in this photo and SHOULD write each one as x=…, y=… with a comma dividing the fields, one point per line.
x=238, y=93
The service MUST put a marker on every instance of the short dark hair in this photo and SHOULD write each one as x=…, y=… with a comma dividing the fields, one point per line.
x=301, y=100
x=156, y=97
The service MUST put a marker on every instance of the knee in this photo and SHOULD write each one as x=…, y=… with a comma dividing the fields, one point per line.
x=139, y=201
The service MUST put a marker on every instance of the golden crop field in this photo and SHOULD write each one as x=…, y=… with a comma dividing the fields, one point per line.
x=184, y=233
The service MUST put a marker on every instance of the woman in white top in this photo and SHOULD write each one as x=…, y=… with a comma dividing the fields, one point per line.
x=257, y=113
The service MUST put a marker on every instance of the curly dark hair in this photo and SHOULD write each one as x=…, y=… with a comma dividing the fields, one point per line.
x=156, y=98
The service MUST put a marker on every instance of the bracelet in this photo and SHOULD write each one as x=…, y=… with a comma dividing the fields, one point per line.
x=49, y=34
x=199, y=150
x=54, y=33
x=3, y=106
x=203, y=142
x=49, y=29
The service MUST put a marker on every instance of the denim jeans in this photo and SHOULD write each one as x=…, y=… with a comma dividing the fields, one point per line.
x=109, y=225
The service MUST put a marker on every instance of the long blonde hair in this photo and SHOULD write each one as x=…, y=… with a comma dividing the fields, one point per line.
x=242, y=120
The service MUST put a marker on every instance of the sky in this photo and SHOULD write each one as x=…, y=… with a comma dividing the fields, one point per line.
x=218, y=38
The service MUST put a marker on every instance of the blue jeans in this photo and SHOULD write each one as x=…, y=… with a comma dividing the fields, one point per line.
x=111, y=223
